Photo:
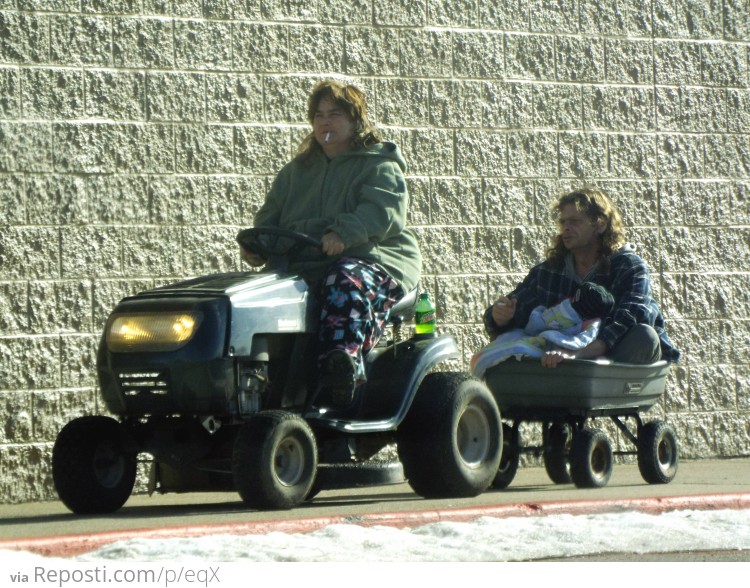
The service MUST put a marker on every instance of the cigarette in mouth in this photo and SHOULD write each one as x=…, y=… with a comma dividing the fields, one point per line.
x=327, y=137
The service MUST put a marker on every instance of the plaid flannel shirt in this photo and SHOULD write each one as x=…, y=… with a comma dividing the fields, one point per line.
x=624, y=274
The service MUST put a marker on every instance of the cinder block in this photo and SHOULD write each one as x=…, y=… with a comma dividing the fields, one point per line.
x=677, y=393
x=203, y=45
x=200, y=149
x=404, y=103
x=724, y=65
x=506, y=15
x=481, y=153
x=211, y=250
x=453, y=13
x=557, y=106
x=101, y=256
x=14, y=306
x=118, y=199
x=115, y=95
x=550, y=16
x=371, y=51
x=668, y=109
x=456, y=201
x=143, y=42
x=740, y=202
x=261, y=48
x=25, y=37
x=738, y=111
x=13, y=190
x=419, y=201
x=529, y=57
x=397, y=13
x=108, y=292
x=583, y=155
x=579, y=59
x=10, y=93
x=27, y=147
x=629, y=61
x=30, y=463
x=152, y=252
x=705, y=202
x=727, y=156
x=351, y=12
x=234, y=200
x=732, y=437
x=78, y=370
x=84, y=147
x=533, y=154
x=508, y=202
x=176, y=96
x=317, y=49
x=52, y=93
x=59, y=408
x=736, y=19
x=428, y=151
x=479, y=55
x=60, y=307
x=285, y=99
x=30, y=253
x=528, y=247
x=632, y=156
x=151, y=148
x=461, y=299
x=677, y=62
x=261, y=150
x=234, y=98
x=78, y=40
x=507, y=105
x=18, y=427
x=631, y=19
x=178, y=200
x=452, y=104
x=425, y=53
x=713, y=388
x=689, y=19
x=680, y=156
x=617, y=108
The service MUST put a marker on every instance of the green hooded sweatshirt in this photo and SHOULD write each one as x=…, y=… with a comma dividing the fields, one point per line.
x=361, y=195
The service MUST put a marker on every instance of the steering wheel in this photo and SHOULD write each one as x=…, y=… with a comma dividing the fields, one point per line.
x=280, y=245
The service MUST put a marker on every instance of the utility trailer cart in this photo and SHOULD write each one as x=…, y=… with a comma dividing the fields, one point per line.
x=564, y=400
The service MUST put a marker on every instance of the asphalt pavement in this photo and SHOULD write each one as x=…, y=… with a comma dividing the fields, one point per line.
x=50, y=529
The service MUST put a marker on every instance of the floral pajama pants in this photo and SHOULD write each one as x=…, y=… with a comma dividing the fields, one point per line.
x=356, y=299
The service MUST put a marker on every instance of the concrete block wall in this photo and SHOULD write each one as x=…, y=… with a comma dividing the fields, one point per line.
x=138, y=136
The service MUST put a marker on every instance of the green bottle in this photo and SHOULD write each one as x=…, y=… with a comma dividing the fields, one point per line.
x=424, y=315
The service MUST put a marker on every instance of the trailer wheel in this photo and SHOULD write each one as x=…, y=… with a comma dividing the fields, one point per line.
x=451, y=440
x=590, y=459
x=92, y=467
x=657, y=453
x=509, y=459
x=274, y=461
x=556, y=459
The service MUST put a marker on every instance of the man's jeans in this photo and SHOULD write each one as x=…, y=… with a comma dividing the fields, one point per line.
x=640, y=345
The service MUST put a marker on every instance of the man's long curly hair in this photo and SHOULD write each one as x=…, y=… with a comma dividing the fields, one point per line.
x=352, y=100
x=596, y=205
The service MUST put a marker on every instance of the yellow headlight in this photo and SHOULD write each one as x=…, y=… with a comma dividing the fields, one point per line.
x=151, y=331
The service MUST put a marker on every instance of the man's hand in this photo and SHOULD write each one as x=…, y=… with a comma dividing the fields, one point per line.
x=503, y=310
x=332, y=244
x=252, y=258
x=551, y=359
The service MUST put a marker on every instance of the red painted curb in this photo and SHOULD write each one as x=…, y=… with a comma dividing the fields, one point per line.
x=72, y=545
